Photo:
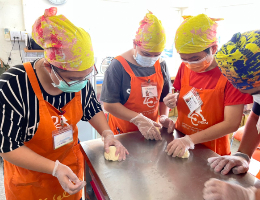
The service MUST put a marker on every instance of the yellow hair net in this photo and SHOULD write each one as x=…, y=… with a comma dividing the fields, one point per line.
x=65, y=46
x=150, y=36
x=239, y=60
x=196, y=34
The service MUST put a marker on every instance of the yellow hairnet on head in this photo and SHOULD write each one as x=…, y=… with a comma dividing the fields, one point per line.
x=239, y=60
x=196, y=34
x=65, y=46
x=150, y=36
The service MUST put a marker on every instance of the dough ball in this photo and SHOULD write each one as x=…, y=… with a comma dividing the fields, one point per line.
x=112, y=154
x=186, y=154
x=158, y=129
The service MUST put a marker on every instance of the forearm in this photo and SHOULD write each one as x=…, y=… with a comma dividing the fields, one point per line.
x=28, y=159
x=99, y=122
x=216, y=131
x=251, y=138
x=163, y=109
x=120, y=111
x=257, y=194
x=231, y=122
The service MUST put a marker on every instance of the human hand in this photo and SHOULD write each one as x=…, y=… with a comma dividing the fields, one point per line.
x=147, y=127
x=68, y=180
x=238, y=164
x=219, y=190
x=167, y=123
x=109, y=140
x=171, y=100
x=179, y=146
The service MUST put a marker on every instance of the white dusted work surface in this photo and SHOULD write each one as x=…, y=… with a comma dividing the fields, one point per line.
x=149, y=173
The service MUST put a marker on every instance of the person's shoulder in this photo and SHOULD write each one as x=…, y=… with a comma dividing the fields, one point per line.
x=13, y=75
x=115, y=64
x=13, y=87
x=182, y=66
x=163, y=63
x=164, y=68
x=16, y=70
x=162, y=60
x=115, y=68
x=234, y=96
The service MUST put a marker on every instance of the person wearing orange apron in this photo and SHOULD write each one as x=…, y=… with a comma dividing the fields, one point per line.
x=238, y=61
x=43, y=161
x=136, y=82
x=209, y=107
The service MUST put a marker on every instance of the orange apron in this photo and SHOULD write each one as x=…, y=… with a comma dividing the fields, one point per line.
x=258, y=175
x=148, y=106
x=21, y=183
x=211, y=112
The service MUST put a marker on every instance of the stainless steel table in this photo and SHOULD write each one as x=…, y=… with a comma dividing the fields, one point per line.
x=149, y=173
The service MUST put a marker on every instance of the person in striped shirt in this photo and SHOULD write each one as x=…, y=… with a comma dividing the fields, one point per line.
x=41, y=103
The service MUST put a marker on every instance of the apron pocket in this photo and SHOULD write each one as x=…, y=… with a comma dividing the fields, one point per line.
x=25, y=177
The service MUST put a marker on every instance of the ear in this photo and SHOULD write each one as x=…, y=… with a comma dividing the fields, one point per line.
x=214, y=49
x=47, y=66
x=134, y=45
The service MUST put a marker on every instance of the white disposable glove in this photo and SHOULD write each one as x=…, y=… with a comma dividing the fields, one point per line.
x=167, y=123
x=238, y=164
x=179, y=146
x=110, y=140
x=147, y=127
x=171, y=100
x=68, y=180
x=220, y=190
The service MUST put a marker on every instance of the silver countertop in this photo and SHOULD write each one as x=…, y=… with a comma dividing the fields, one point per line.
x=149, y=173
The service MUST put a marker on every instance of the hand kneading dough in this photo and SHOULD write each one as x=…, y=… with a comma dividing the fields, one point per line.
x=112, y=154
x=186, y=154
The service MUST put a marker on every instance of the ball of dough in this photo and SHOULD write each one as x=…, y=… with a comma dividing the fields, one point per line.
x=112, y=154
x=186, y=154
x=158, y=129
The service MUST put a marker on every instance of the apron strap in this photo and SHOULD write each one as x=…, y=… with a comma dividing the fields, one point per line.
x=222, y=81
x=33, y=80
x=78, y=96
x=125, y=65
x=157, y=67
x=185, y=77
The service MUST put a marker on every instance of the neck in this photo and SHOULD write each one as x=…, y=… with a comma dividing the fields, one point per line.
x=45, y=79
x=212, y=66
x=129, y=56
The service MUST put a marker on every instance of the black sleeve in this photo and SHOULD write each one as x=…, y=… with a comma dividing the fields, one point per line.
x=11, y=117
x=112, y=83
x=90, y=104
x=256, y=108
x=167, y=81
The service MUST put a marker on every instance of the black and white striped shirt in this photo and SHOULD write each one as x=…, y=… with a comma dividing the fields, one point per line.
x=19, y=107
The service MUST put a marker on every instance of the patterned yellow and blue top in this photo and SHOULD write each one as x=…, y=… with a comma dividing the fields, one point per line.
x=239, y=60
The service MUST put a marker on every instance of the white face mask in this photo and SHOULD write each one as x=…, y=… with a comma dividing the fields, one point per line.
x=256, y=98
x=145, y=61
